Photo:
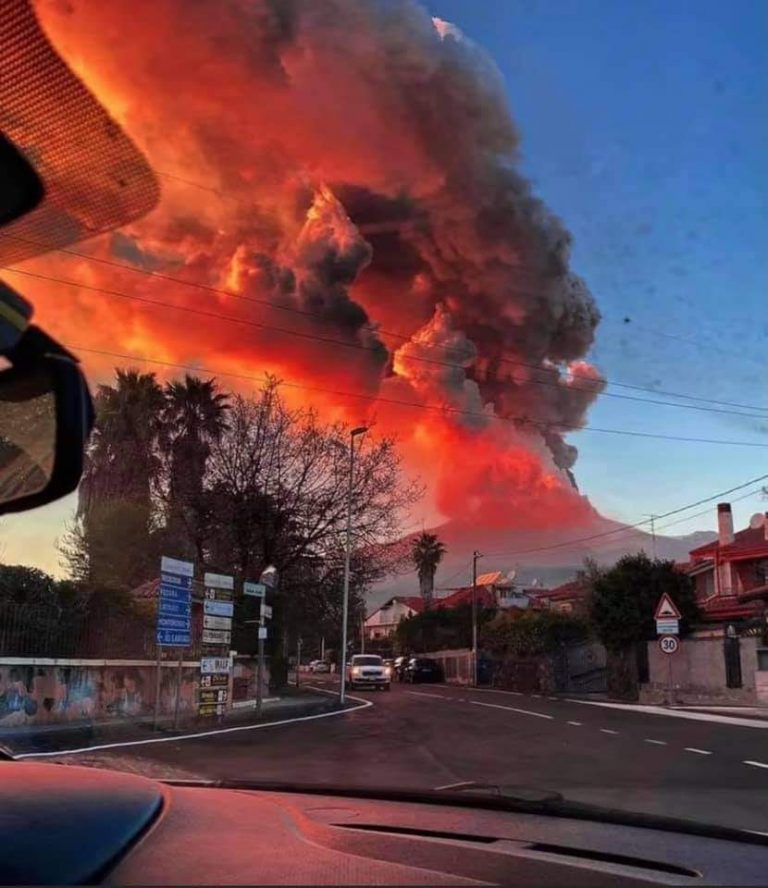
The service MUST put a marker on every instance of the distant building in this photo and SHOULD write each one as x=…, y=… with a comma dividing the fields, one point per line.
x=569, y=598
x=494, y=589
x=730, y=574
x=381, y=624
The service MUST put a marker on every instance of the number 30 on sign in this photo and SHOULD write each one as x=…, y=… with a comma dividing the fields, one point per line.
x=668, y=644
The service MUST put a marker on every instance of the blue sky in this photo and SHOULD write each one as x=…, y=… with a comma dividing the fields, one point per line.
x=643, y=126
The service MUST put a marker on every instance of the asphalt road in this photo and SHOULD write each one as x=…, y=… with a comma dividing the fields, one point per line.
x=430, y=736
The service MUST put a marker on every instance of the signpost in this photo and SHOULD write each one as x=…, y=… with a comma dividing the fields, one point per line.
x=268, y=579
x=667, y=616
x=174, y=619
x=215, y=669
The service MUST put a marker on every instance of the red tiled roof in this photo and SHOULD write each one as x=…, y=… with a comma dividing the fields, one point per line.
x=567, y=591
x=753, y=538
x=414, y=602
x=485, y=598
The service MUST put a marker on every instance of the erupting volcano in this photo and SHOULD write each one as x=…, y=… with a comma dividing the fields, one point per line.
x=341, y=207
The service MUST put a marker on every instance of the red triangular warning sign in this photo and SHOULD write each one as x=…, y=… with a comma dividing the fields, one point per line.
x=666, y=608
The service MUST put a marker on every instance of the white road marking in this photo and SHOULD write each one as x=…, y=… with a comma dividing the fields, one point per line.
x=607, y=731
x=756, y=764
x=364, y=704
x=425, y=694
x=496, y=691
x=455, y=785
x=697, y=751
x=575, y=724
x=677, y=713
x=536, y=696
x=660, y=743
x=511, y=709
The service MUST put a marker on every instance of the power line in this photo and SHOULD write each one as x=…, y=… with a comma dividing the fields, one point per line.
x=345, y=343
x=628, y=527
x=515, y=420
x=370, y=327
x=736, y=499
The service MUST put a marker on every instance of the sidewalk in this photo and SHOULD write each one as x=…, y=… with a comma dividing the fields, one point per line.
x=25, y=739
x=743, y=711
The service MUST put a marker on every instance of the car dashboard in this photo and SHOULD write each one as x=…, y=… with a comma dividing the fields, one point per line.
x=74, y=825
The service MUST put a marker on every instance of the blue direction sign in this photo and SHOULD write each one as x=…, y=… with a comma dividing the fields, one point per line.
x=171, y=608
x=174, y=603
x=218, y=608
x=173, y=593
x=173, y=637
x=178, y=582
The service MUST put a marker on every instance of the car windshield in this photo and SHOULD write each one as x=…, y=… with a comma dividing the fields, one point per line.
x=437, y=333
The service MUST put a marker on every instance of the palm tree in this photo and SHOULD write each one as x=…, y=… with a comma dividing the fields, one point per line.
x=193, y=418
x=427, y=552
x=122, y=461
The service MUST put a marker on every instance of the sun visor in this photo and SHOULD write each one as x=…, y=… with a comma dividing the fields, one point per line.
x=94, y=177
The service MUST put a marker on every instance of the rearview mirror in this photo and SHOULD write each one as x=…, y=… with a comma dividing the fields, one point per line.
x=46, y=415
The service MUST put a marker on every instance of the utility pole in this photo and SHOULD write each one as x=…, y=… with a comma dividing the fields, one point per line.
x=362, y=636
x=360, y=430
x=475, y=556
x=653, y=535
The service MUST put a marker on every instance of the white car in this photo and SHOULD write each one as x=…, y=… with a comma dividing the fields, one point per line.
x=367, y=671
x=319, y=666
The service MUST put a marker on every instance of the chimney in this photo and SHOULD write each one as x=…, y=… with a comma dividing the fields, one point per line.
x=724, y=524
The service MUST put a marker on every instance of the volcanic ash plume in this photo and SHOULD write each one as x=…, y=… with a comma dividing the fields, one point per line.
x=352, y=162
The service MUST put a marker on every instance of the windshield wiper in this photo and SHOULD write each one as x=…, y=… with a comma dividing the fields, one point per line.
x=494, y=797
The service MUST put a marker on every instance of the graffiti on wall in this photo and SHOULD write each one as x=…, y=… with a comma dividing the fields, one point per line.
x=33, y=694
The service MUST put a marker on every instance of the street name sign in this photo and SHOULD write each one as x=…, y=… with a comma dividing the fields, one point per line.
x=258, y=590
x=668, y=644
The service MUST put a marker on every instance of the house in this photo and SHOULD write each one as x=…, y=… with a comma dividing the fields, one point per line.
x=730, y=574
x=381, y=624
x=569, y=598
x=494, y=589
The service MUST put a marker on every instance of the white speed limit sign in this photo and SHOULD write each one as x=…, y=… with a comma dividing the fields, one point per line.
x=668, y=644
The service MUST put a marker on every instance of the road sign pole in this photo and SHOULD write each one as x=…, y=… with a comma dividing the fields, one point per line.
x=259, y=671
x=178, y=691
x=157, y=687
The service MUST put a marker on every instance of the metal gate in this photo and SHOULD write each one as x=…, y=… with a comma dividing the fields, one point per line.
x=582, y=669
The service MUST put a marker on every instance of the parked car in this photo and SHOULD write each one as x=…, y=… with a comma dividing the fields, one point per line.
x=319, y=666
x=422, y=669
x=389, y=665
x=367, y=670
x=399, y=667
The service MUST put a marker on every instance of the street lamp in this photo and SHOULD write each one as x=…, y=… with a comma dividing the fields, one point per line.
x=360, y=430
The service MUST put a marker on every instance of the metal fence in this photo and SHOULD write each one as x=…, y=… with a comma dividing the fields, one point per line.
x=47, y=631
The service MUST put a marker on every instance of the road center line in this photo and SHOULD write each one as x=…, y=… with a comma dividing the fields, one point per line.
x=662, y=743
x=425, y=694
x=607, y=731
x=512, y=709
x=575, y=724
x=755, y=764
x=697, y=751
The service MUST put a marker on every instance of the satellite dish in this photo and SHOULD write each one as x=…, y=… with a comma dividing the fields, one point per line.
x=757, y=520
